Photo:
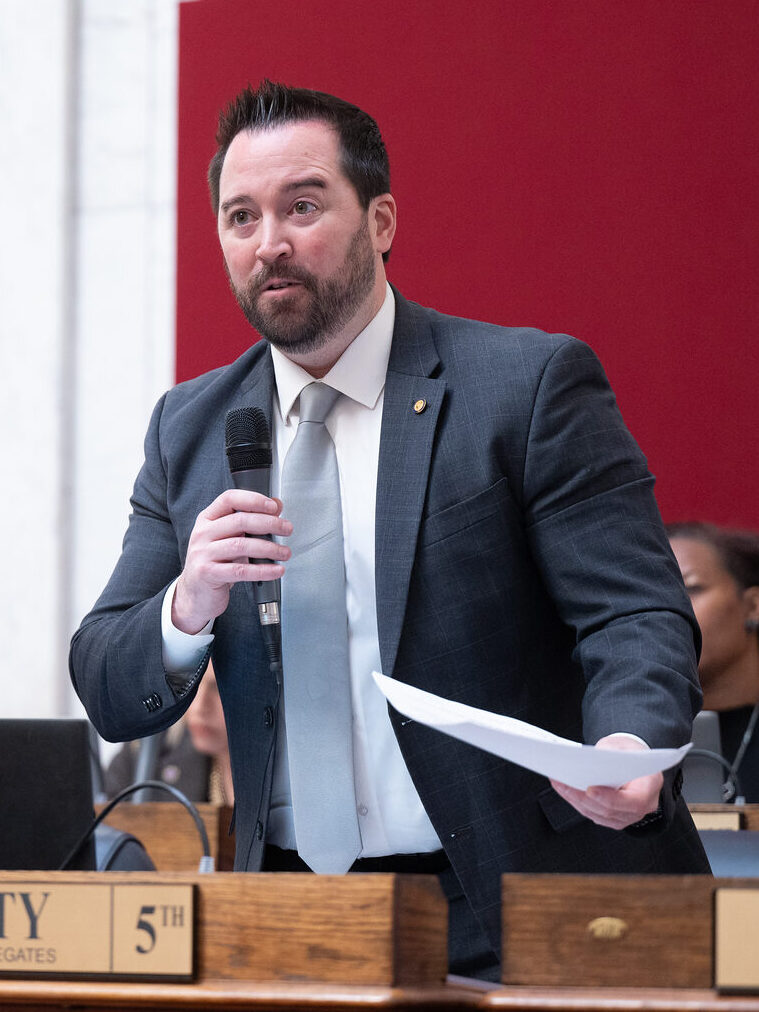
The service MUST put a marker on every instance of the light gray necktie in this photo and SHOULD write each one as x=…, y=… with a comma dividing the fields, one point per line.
x=318, y=711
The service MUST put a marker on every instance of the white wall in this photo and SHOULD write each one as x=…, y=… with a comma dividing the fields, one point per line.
x=87, y=201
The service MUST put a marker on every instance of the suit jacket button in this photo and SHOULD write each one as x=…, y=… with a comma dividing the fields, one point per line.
x=268, y=717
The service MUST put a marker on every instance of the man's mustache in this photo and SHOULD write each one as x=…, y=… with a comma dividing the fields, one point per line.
x=278, y=272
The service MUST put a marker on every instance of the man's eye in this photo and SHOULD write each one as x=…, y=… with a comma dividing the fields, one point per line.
x=241, y=217
x=303, y=207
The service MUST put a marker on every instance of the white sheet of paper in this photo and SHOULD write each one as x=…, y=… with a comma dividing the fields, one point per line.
x=567, y=762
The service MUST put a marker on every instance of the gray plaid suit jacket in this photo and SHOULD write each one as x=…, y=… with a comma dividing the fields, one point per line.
x=521, y=567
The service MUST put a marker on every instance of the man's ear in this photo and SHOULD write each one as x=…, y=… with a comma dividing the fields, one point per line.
x=382, y=221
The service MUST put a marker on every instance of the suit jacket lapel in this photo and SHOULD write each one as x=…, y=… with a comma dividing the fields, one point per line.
x=257, y=389
x=409, y=419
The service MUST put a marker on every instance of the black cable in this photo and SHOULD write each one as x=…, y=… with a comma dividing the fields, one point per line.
x=731, y=788
x=745, y=740
x=276, y=669
x=155, y=785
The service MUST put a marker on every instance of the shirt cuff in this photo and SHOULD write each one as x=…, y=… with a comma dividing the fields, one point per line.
x=181, y=651
x=626, y=734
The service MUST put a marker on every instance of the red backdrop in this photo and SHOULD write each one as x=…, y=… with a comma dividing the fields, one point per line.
x=588, y=167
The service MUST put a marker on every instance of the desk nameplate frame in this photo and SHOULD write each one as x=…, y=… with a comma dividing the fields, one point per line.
x=97, y=929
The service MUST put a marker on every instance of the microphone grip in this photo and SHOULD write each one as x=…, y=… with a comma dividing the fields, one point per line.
x=265, y=592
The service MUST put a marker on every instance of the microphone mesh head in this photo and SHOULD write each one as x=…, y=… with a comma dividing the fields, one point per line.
x=248, y=440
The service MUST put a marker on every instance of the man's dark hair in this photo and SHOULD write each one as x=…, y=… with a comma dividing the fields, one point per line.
x=363, y=156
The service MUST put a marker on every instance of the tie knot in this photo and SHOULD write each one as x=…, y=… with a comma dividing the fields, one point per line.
x=316, y=402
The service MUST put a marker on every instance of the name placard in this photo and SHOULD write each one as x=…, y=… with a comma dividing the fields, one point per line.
x=92, y=930
x=728, y=819
x=736, y=939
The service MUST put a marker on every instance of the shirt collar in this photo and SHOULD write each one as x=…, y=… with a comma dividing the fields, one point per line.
x=360, y=371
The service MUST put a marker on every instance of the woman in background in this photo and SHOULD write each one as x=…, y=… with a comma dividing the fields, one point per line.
x=720, y=568
x=208, y=733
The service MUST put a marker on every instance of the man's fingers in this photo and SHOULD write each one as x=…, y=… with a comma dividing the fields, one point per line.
x=229, y=545
x=243, y=549
x=240, y=500
x=246, y=571
x=237, y=524
x=615, y=808
x=217, y=573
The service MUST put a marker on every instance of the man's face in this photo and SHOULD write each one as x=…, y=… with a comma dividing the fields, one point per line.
x=303, y=257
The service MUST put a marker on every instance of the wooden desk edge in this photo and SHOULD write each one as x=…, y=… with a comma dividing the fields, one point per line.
x=457, y=993
x=615, y=999
x=210, y=994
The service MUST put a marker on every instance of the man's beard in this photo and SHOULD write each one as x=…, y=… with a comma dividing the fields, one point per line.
x=330, y=305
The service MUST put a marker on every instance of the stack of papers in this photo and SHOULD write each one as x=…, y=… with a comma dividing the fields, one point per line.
x=567, y=762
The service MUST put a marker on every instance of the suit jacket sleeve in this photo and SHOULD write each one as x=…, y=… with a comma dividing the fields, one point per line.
x=116, y=655
x=597, y=537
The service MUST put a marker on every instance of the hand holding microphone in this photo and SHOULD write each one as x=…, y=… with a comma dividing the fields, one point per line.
x=217, y=554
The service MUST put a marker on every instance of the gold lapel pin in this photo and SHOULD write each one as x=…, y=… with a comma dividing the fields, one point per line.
x=420, y=405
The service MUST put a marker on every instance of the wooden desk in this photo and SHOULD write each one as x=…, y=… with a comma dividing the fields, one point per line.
x=232, y=945
x=277, y=941
x=170, y=836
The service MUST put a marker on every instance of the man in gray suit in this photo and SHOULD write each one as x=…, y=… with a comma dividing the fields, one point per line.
x=502, y=547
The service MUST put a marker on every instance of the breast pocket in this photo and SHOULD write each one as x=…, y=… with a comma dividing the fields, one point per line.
x=479, y=509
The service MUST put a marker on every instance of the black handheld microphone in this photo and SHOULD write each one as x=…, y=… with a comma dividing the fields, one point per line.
x=248, y=444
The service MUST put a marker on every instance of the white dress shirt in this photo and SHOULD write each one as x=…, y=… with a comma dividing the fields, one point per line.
x=391, y=816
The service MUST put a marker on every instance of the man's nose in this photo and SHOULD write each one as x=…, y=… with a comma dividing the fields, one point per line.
x=274, y=242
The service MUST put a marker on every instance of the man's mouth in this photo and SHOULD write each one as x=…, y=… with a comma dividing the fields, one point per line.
x=276, y=286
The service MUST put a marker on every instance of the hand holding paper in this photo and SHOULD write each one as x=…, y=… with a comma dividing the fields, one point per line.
x=616, y=807
x=569, y=762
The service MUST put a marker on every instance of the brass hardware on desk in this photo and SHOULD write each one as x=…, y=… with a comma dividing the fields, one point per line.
x=608, y=929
